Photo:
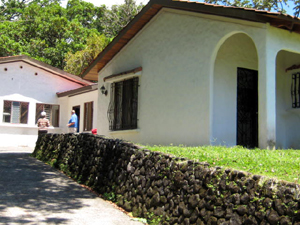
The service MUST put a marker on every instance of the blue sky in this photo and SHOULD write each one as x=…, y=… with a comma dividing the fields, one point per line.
x=290, y=9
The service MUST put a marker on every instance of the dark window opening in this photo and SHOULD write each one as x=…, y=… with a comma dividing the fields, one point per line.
x=52, y=113
x=122, y=110
x=15, y=112
x=295, y=90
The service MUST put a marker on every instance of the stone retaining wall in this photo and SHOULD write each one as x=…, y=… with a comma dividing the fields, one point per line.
x=167, y=189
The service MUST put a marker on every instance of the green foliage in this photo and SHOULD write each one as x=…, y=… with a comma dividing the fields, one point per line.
x=8, y=46
x=76, y=62
x=152, y=219
x=296, y=8
x=142, y=220
x=68, y=37
x=85, y=13
x=53, y=162
x=280, y=164
x=118, y=17
x=269, y=5
x=45, y=30
x=110, y=196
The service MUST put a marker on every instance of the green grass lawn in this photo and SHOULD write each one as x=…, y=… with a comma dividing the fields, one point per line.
x=280, y=164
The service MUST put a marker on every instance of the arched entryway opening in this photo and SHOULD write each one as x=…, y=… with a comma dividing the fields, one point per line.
x=235, y=92
x=287, y=99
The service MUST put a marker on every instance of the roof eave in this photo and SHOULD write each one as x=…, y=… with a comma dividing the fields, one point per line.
x=78, y=91
x=275, y=19
x=115, y=41
x=46, y=67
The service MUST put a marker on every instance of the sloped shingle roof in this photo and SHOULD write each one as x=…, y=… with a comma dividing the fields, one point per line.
x=279, y=20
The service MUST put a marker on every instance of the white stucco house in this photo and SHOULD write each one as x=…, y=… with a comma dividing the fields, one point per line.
x=200, y=74
x=29, y=87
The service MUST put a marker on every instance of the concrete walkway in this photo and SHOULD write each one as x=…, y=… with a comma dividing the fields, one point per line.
x=32, y=192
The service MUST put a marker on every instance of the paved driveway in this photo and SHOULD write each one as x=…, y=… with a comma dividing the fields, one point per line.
x=32, y=192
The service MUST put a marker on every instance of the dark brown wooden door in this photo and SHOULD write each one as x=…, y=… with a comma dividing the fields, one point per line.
x=77, y=112
x=247, y=108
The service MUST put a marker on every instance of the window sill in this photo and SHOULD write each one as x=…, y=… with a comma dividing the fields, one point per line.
x=125, y=131
x=23, y=126
x=16, y=125
x=51, y=127
x=291, y=110
x=137, y=72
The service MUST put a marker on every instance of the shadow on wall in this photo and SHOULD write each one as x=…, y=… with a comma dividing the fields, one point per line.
x=31, y=191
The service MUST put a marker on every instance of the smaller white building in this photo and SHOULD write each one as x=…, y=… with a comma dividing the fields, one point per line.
x=84, y=101
x=29, y=87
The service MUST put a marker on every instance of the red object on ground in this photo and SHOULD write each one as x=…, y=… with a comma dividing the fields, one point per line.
x=94, y=131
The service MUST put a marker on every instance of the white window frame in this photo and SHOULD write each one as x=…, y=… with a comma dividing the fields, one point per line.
x=15, y=114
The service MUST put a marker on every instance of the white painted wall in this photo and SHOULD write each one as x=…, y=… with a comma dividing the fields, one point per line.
x=271, y=104
x=277, y=121
x=187, y=91
x=177, y=52
x=69, y=102
x=21, y=84
x=285, y=120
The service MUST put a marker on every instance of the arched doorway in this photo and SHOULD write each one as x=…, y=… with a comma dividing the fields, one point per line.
x=287, y=99
x=235, y=92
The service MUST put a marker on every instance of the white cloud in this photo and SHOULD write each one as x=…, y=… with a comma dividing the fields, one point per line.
x=108, y=3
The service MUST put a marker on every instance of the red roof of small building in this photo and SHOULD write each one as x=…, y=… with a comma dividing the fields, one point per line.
x=46, y=67
x=77, y=91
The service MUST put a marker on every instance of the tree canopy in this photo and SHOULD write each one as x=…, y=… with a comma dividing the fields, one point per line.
x=269, y=5
x=76, y=62
x=111, y=22
x=45, y=30
x=70, y=38
x=119, y=16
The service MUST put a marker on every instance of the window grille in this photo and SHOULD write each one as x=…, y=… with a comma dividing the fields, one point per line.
x=88, y=116
x=15, y=112
x=52, y=113
x=295, y=90
x=122, y=110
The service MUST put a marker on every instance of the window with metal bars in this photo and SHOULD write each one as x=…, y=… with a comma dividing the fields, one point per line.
x=295, y=90
x=88, y=116
x=122, y=110
x=15, y=112
x=52, y=113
